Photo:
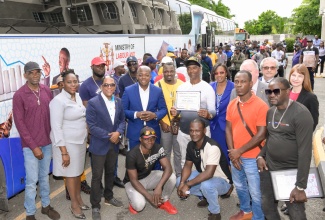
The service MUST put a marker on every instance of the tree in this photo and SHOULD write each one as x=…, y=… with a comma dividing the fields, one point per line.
x=218, y=8
x=267, y=23
x=306, y=18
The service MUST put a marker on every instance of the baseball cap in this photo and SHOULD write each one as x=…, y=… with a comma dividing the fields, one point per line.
x=150, y=60
x=262, y=47
x=237, y=48
x=98, y=61
x=171, y=55
x=131, y=59
x=309, y=40
x=170, y=48
x=59, y=79
x=31, y=66
x=147, y=132
x=117, y=63
x=298, y=45
x=192, y=61
x=166, y=60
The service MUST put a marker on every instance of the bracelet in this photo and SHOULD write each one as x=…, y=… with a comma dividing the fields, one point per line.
x=64, y=154
x=259, y=157
x=299, y=188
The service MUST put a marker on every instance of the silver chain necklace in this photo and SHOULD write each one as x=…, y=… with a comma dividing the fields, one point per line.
x=275, y=127
x=37, y=97
x=98, y=90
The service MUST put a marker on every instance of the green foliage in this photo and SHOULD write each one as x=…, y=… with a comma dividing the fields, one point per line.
x=290, y=42
x=218, y=8
x=306, y=18
x=267, y=23
x=185, y=22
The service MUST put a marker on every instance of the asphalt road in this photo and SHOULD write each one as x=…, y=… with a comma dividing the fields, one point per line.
x=186, y=209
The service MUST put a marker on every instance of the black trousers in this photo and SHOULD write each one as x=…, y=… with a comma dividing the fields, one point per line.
x=270, y=205
x=280, y=72
x=99, y=163
x=311, y=75
x=233, y=74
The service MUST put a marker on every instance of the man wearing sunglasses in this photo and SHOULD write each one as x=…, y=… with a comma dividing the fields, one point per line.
x=245, y=130
x=288, y=146
x=140, y=176
x=269, y=68
x=106, y=122
x=131, y=76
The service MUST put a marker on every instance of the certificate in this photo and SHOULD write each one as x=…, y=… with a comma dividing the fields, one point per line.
x=284, y=181
x=188, y=100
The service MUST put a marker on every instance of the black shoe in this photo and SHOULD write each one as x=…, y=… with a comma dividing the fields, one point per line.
x=118, y=182
x=85, y=187
x=123, y=151
x=214, y=216
x=227, y=195
x=203, y=203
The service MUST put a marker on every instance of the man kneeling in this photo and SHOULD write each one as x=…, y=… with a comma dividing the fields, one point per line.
x=140, y=176
x=212, y=176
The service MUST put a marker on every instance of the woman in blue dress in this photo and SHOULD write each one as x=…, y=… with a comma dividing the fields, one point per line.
x=222, y=86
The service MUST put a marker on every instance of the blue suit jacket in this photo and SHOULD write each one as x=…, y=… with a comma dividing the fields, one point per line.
x=221, y=117
x=100, y=124
x=132, y=103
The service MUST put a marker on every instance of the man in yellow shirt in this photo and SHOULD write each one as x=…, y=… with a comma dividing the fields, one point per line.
x=169, y=85
x=212, y=55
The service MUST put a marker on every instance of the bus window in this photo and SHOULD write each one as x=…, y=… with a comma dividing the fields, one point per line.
x=183, y=15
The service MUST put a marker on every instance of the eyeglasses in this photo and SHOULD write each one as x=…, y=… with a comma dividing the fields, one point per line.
x=112, y=85
x=275, y=91
x=132, y=63
x=269, y=67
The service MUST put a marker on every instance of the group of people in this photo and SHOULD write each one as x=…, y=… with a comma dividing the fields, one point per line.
x=224, y=138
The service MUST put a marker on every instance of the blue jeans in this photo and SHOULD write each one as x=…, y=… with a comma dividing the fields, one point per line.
x=247, y=183
x=37, y=171
x=210, y=189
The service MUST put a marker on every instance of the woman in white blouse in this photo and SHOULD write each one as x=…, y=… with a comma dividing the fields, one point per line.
x=68, y=135
x=321, y=56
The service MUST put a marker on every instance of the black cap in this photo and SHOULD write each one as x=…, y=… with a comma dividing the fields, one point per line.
x=131, y=59
x=147, y=132
x=31, y=66
x=192, y=61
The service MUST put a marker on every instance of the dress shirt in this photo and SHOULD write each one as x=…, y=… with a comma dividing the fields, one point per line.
x=144, y=96
x=110, y=105
x=254, y=88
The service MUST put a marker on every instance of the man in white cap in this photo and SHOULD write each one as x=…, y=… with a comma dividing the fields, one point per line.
x=164, y=60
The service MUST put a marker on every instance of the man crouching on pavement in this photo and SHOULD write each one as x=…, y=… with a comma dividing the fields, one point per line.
x=140, y=176
x=212, y=175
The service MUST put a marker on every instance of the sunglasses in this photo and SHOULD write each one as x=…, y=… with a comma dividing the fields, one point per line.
x=148, y=132
x=112, y=85
x=275, y=91
x=133, y=63
x=269, y=67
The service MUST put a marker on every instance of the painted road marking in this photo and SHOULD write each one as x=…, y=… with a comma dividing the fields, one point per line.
x=52, y=195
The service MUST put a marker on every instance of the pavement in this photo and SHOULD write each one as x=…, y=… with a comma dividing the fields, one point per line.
x=186, y=209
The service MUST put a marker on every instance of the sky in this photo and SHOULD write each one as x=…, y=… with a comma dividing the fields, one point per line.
x=250, y=9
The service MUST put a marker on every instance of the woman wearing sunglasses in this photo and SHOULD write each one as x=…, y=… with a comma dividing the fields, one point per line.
x=222, y=87
x=68, y=143
x=301, y=90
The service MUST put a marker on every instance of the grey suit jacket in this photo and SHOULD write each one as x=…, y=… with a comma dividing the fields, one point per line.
x=260, y=92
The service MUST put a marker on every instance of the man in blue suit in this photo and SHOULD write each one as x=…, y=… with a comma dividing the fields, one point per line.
x=106, y=122
x=144, y=105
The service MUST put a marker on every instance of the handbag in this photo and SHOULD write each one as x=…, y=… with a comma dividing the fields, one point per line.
x=174, y=123
x=245, y=125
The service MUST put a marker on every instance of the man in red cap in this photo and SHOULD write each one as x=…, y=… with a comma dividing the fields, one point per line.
x=140, y=176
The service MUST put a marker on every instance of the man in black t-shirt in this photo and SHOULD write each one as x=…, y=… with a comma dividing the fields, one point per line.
x=212, y=175
x=180, y=60
x=288, y=146
x=252, y=50
x=140, y=176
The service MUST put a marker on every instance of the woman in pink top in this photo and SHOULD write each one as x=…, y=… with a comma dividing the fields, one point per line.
x=301, y=90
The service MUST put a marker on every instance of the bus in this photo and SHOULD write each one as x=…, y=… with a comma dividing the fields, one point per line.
x=33, y=30
x=241, y=34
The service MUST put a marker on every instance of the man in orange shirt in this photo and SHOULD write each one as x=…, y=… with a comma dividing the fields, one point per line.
x=244, y=145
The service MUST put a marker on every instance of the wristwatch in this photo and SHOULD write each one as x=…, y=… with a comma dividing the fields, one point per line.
x=299, y=188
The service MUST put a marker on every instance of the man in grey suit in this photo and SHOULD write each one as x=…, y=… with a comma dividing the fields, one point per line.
x=258, y=86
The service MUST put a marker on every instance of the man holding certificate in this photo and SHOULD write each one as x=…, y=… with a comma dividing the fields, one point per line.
x=288, y=146
x=194, y=98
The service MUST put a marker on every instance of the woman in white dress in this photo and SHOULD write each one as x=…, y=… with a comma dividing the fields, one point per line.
x=68, y=135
